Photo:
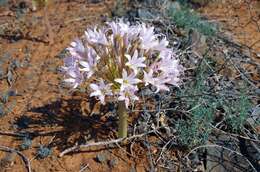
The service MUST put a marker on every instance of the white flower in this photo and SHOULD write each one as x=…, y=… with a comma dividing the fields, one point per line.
x=168, y=65
x=119, y=28
x=69, y=62
x=96, y=36
x=75, y=78
x=77, y=49
x=127, y=81
x=134, y=62
x=147, y=37
x=101, y=90
x=123, y=55
x=148, y=78
x=158, y=82
x=174, y=80
x=88, y=64
x=161, y=45
x=127, y=95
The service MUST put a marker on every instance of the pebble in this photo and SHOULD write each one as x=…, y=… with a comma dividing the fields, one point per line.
x=112, y=163
x=101, y=158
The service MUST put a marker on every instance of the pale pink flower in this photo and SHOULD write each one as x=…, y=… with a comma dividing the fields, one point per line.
x=168, y=65
x=69, y=62
x=96, y=36
x=147, y=37
x=127, y=80
x=174, y=80
x=119, y=28
x=77, y=49
x=161, y=45
x=101, y=90
x=75, y=78
x=158, y=82
x=134, y=62
x=148, y=78
x=128, y=94
x=89, y=63
x=99, y=56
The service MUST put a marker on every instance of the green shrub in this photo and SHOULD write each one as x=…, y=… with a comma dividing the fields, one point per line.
x=195, y=131
x=43, y=152
x=26, y=143
x=188, y=19
x=237, y=113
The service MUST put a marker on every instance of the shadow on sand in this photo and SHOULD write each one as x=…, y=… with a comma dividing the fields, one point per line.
x=64, y=120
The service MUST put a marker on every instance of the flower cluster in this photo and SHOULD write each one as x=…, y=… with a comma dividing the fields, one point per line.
x=118, y=59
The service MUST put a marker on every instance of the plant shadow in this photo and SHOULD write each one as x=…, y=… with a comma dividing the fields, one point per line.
x=64, y=121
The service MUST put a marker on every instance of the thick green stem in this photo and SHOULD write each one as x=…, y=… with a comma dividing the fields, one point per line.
x=123, y=117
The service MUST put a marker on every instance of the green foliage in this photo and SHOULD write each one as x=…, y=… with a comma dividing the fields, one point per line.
x=237, y=113
x=188, y=19
x=196, y=130
x=26, y=143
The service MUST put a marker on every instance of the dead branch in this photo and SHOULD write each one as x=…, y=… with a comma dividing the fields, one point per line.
x=110, y=142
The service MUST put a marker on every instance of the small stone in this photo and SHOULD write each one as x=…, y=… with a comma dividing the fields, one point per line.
x=9, y=77
x=101, y=158
x=112, y=163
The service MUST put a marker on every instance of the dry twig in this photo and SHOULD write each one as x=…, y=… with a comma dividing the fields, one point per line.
x=110, y=142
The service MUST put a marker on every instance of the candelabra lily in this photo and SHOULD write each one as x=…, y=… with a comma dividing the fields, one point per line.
x=118, y=59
